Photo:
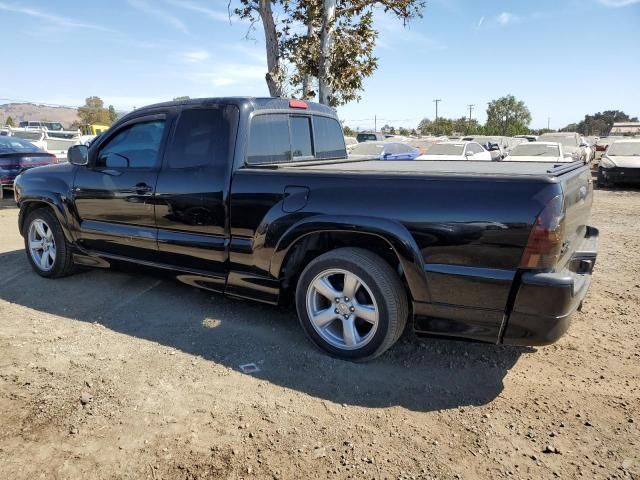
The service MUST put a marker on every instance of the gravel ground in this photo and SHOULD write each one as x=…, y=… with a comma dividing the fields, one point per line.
x=123, y=374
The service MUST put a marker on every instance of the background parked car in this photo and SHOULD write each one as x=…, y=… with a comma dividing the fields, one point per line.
x=456, y=151
x=573, y=144
x=370, y=137
x=603, y=143
x=350, y=142
x=17, y=155
x=384, y=151
x=496, y=145
x=537, y=152
x=620, y=163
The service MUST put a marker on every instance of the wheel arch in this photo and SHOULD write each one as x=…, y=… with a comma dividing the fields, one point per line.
x=55, y=205
x=316, y=235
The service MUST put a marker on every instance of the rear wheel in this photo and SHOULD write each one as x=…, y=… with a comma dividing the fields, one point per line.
x=351, y=303
x=47, y=250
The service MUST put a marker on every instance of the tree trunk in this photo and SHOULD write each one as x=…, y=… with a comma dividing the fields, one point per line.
x=274, y=73
x=308, y=79
x=326, y=40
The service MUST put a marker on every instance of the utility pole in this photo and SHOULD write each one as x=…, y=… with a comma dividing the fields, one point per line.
x=375, y=124
x=548, y=122
x=470, y=110
x=436, y=101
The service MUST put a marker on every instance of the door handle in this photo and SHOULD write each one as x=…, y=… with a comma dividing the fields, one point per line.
x=143, y=188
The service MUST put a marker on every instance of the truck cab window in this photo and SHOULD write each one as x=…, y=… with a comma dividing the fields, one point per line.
x=328, y=137
x=136, y=146
x=269, y=139
x=301, y=137
x=202, y=137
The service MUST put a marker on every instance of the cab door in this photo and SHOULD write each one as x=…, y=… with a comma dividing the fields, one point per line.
x=114, y=194
x=192, y=191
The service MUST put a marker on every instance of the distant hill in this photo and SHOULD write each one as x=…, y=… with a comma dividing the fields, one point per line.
x=31, y=111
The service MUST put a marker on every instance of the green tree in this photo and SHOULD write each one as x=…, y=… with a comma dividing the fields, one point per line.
x=405, y=132
x=113, y=115
x=9, y=122
x=599, y=123
x=183, y=97
x=325, y=42
x=348, y=131
x=507, y=116
x=425, y=126
x=93, y=112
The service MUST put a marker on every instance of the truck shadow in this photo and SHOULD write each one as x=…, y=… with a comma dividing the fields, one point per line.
x=420, y=374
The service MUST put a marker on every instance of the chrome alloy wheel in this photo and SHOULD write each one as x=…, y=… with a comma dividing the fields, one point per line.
x=42, y=245
x=342, y=309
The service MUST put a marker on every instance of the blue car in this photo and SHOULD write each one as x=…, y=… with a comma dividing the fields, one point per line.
x=384, y=151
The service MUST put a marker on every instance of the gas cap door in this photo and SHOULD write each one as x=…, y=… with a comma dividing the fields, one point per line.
x=295, y=198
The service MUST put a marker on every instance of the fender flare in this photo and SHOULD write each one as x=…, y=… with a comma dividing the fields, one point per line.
x=56, y=202
x=394, y=233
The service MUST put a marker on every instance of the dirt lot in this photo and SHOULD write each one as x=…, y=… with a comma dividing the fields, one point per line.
x=108, y=374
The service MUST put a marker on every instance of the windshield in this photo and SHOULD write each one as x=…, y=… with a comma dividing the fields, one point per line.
x=12, y=144
x=565, y=140
x=445, y=149
x=29, y=135
x=624, y=149
x=368, y=149
x=535, y=150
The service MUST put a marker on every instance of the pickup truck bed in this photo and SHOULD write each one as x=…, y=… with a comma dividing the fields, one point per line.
x=254, y=198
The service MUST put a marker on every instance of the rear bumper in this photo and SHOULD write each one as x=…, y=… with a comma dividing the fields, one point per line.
x=620, y=175
x=545, y=302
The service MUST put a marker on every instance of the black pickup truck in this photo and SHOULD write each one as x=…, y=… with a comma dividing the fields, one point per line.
x=256, y=198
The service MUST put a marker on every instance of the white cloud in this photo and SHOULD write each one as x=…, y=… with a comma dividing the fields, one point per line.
x=232, y=74
x=195, y=56
x=480, y=22
x=167, y=18
x=618, y=3
x=506, y=17
x=195, y=7
x=51, y=18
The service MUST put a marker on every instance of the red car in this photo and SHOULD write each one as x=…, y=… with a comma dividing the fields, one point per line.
x=17, y=155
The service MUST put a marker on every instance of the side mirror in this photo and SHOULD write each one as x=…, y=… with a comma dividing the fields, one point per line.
x=78, y=155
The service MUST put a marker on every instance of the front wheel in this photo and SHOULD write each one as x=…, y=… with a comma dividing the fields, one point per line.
x=47, y=250
x=351, y=303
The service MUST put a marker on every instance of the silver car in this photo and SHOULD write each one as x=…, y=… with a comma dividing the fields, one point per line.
x=572, y=143
x=620, y=163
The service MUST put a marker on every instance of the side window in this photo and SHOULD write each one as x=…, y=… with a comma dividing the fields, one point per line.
x=202, y=137
x=329, y=139
x=269, y=139
x=136, y=146
x=301, y=137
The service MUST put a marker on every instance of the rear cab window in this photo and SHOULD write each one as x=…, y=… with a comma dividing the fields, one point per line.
x=284, y=137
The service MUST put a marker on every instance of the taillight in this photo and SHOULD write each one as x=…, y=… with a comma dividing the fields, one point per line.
x=544, y=246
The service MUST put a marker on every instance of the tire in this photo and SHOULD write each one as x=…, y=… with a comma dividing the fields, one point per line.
x=359, y=328
x=60, y=264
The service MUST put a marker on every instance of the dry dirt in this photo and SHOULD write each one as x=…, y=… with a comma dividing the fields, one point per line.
x=108, y=374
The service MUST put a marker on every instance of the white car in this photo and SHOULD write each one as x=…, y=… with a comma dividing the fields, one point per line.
x=573, y=145
x=620, y=163
x=537, y=152
x=456, y=151
x=350, y=142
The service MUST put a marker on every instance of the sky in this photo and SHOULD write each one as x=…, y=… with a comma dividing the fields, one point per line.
x=563, y=58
